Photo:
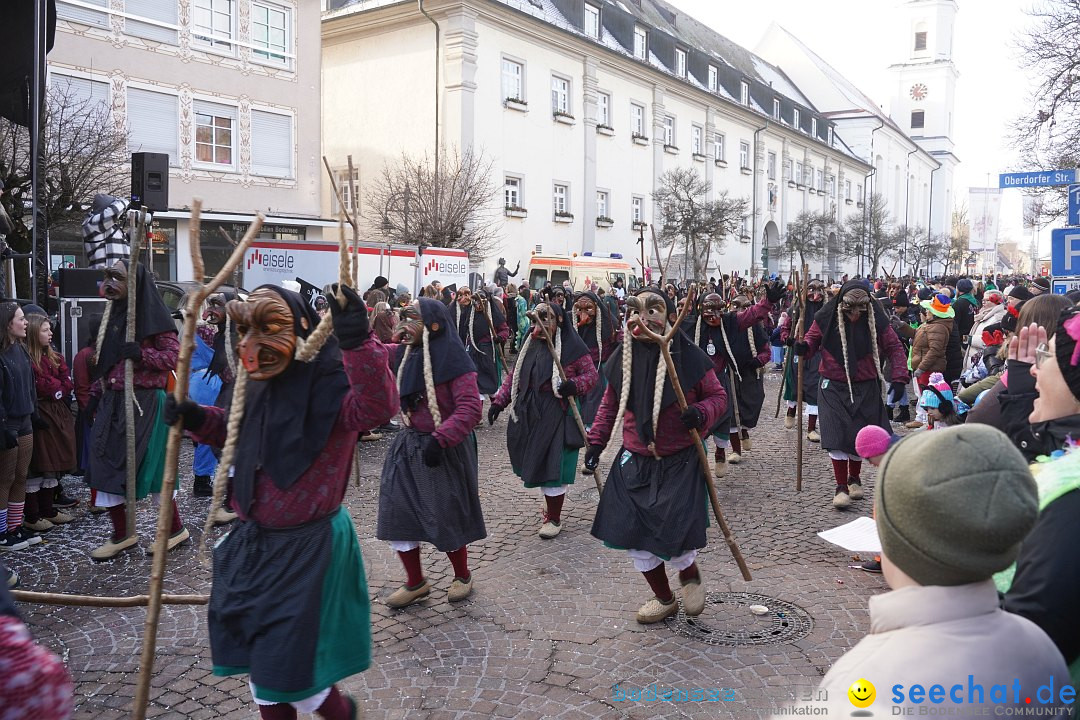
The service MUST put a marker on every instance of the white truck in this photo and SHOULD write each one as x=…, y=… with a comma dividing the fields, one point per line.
x=271, y=262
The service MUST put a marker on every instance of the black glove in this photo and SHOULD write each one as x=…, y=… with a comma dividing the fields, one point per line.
x=756, y=364
x=11, y=439
x=692, y=417
x=131, y=351
x=896, y=389
x=350, y=322
x=592, y=456
x=433, y=452
x=567, y=388
x=493, y=413
x=189, y=411
x=38, y=422
x=790, y=340
x=775, y=293
x=801, y=348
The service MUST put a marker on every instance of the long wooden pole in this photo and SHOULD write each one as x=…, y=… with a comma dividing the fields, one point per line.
x=43, y=598
x=800, y=331
x=673, y=376
x=562, y=376
x=137, y=228
x=172, y=448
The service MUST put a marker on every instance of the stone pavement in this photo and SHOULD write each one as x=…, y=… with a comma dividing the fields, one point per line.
x=550, y=629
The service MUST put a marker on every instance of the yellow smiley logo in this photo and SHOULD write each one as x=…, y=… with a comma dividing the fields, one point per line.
x=861, y=693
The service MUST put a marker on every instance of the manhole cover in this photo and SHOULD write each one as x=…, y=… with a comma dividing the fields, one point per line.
x=727, y=620
x=589, y=494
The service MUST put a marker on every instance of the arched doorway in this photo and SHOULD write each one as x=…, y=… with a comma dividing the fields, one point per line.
x=770, y=244
x=832, y=256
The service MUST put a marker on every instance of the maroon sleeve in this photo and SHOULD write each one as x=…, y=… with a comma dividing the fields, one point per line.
x=604, y=422
x=502, y=332
x=214, y=427
x=610, y=345
x=66, y=383
x=711, y=399
x=466, y=413
x=894, y=350
x=813, y=339
x=583, y=373
x=160, y=352
x=502, y=397
x=373, y=396
x=753, y=314
x=764, y=354
x=82, y=378
x=44, y=382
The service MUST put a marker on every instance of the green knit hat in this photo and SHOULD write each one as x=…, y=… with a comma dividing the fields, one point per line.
x=952, y=505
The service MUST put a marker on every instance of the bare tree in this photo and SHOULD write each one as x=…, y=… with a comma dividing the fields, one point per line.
x=84, y=153
x=866, y=235
x=807, y=235
x=414, y=202
x=696, y=225
x=915, y=246
x=1049, y=134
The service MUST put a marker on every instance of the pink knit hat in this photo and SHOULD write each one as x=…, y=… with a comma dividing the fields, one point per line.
x=874, y=440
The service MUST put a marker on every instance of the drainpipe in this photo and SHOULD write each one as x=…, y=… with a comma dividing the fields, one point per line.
x=867, y=194
x=754, y=232
x=907, y=201
x=438, y=54
x=930, y=215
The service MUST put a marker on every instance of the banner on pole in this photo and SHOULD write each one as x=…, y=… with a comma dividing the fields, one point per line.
x=984, y=209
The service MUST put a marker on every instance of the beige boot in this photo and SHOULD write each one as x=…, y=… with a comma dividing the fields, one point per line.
x=721, y=464
x=40, y=526
x=403, y=596
x=113, y=548
x=813, y=436
x=654, y=611
x=178, y=538
x=841, y=499
x=693, y=597
x=460, y=589
x=855, y=490
x=734, y=458
x=789, y=422
x=549, y=529
x=60, y=518
x=747, y=445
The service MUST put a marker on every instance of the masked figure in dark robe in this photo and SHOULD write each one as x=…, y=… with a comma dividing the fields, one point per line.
x=815, y=299
x=751, y=351
x=601, y=334
x=154, y=352
x=853, y=335
x=480, y=332
x=429, y=491
x=289, y=605
x=714, y=331
x=542, y=436
x=655, y=501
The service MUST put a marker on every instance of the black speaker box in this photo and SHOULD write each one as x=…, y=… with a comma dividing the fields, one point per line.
x=150, y=180
x=79, y=282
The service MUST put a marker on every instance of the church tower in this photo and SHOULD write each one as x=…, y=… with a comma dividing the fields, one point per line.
x=925, y=93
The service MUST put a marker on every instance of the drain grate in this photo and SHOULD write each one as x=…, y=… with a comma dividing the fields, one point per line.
x=727, y=620
x=589, y=494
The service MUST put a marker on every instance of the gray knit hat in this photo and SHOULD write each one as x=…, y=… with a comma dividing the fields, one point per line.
x=952, y=505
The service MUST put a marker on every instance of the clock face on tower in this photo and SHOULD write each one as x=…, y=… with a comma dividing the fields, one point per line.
x=919, y=92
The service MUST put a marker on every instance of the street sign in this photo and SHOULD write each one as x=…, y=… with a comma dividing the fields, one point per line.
x=1065, y=253
x=1066, y=285
x=1043, y=178
x=1074, y=205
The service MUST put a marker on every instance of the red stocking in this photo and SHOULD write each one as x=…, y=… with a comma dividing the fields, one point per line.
x=118, y=516
x=811, y=423
x=554, y=507
x=414, y=573
x=657, y=579
x=840, y=471
x=460, y=560
x=278, y=711
x=854, y=468
x=736, y=443
x=335, y=707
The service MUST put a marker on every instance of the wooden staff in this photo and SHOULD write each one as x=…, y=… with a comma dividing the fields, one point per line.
x=562, y=376
x=800, y=331
x=664, y=342
x=137, y=227
x=491, y=326
x=172, y=449
x=43, y=598
x=786, y=364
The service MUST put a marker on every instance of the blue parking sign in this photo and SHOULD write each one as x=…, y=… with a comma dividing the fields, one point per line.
x=1074, y=206
x=1065, y=252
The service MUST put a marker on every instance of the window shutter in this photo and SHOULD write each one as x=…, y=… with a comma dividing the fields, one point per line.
x=100, y=18
x=154, y=123
x=271, y=144
x=94, y=93
x=160, y=10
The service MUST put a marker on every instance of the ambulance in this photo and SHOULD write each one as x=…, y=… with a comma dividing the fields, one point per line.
x=271, y=262
x=581, y=270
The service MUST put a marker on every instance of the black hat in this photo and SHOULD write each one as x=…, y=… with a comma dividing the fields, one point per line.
x=900, y=299
x=1042, y=283
x=1020, y=293
x=926, y=293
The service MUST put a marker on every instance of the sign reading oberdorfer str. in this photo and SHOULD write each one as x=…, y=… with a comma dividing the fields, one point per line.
x=1042, y=178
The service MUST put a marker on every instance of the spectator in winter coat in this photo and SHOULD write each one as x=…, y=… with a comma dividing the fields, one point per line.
x=965, y=306
x=940, y=627
x=932, y=339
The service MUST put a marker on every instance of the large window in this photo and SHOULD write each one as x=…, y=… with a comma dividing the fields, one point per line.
x=920, y=41
x=271, y=144
x=512, y=192
x=744, y=92
x=603, y=109
x=153, y=120
x=847, y=189
x=637, y=119
x=560, y=199
x=346, y=192
x=800, y=175
x=270, y=31
x=712, y=78
x=560, y=95
x=592, y=21
x=796, y=118
x=154, y=12
x=513, y=80
x=918, y=119
x=601, y=204
x=772, y=166
x=680, y=62
x=719, y=148
x=776, y=108
x=637, y=209
x=641, y=44
x=213, y=23
x=813, y=126
x=695, y=140
x=744, y=155
x=84, y=15
x=669, y=130
x=214, y=136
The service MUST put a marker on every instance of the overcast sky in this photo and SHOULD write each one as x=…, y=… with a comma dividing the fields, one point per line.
x=853, y=36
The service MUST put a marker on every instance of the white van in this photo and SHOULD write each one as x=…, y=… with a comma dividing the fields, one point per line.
x=580, y=270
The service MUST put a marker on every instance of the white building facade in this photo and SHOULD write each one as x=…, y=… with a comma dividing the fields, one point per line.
x=229, y=89
x=582, y=106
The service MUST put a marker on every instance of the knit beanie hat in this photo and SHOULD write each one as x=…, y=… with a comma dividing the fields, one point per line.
x=1020, y=293
x=953, y=505
x=874, y=440
x=900, y=299
x=925, y=293
x=940, y=306
x=964, y=285
x=1041, y=285
x=931, y=399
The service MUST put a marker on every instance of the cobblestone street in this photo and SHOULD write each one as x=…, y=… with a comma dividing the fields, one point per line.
x=550, y=630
